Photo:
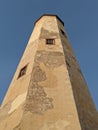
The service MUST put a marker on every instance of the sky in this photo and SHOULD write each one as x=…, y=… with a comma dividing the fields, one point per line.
x=17, y=19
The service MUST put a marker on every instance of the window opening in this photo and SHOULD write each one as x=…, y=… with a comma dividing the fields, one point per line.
x=63, y=32
x=22, y=71
x=50, y=41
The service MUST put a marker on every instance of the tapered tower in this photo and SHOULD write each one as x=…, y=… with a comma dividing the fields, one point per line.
x=48, y=91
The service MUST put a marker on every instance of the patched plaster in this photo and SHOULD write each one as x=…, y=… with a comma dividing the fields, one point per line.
x=17, y=102
x=58, y=125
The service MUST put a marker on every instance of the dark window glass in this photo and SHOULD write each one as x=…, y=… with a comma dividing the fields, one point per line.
x=63, y=32
x=22, y=71
x=50, y=41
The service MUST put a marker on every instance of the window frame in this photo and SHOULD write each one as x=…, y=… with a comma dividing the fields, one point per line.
x=63, y=33
x=22, y=71
x=50, y=41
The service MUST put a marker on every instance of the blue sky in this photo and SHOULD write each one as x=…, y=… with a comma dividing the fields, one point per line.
x=17, y=19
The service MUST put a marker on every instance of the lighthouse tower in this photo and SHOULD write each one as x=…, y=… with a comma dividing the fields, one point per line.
x=48, y=91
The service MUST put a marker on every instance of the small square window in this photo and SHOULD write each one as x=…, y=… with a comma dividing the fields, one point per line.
x=63, y=32
x=22, y=71
x=50, y=41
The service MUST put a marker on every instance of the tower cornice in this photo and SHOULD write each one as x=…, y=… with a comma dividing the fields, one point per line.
x=54, y=15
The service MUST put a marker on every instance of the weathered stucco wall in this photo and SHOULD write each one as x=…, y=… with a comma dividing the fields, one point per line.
x=84, y=103
x=50, y=96
x=50, y=102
